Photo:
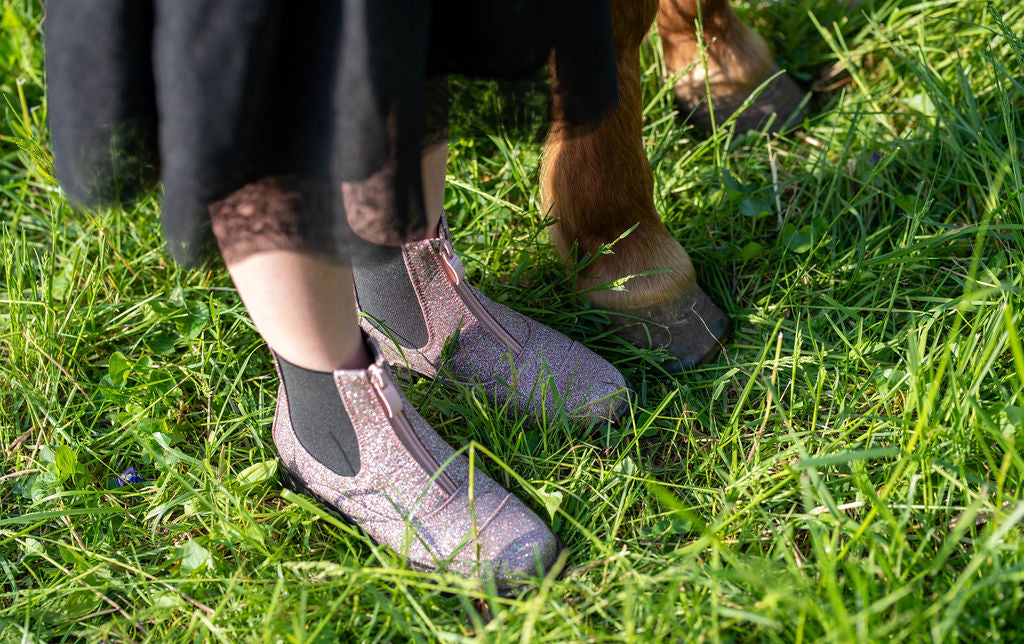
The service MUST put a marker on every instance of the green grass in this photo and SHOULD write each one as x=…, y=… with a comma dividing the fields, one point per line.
x=847, y=471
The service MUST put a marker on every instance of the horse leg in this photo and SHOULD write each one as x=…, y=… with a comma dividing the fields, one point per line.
x=598, y=185
x=738, y=61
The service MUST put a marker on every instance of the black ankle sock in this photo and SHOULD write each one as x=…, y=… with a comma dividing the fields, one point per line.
x=386, y=293
x=319, y=418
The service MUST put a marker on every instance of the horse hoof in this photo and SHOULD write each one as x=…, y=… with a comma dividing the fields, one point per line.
x=782, y=98
x=692, y=328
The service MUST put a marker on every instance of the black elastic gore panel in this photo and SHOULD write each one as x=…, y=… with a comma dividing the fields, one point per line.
x=319, y=419
x=385, y=293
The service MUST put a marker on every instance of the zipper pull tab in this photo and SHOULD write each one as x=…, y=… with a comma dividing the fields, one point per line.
x=386, y=390
x=452, y=264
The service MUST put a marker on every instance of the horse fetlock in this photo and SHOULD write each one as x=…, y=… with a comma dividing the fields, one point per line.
x=713, y=84
x=641, y=271
x=648, y=285
x=728, y=67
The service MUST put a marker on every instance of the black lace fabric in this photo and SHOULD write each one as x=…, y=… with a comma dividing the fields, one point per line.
x=268, y=215
x=296, y=125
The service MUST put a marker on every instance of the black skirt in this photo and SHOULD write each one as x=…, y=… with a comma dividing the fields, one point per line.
x=316, y=108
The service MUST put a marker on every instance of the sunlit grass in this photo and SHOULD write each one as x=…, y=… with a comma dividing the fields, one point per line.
x=847, y=471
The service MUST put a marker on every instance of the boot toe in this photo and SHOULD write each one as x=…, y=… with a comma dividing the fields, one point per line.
x=529, y=555
x=512, y=543
x=596, y=392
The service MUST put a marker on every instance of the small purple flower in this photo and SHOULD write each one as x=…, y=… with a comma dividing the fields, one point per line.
x=875, y=157
x=128, y=476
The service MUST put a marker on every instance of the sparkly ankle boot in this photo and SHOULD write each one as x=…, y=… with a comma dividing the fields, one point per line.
x=417, y=305
x=383, y=467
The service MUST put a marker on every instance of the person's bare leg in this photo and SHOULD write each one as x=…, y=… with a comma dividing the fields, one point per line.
x=435, y=165
x=303, y=307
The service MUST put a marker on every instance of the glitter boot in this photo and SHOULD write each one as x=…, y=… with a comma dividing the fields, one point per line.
x=411, y=491
x=470, y=340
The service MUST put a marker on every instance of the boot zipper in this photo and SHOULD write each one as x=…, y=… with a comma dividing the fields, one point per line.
x=457, y=275
x=392, y=401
